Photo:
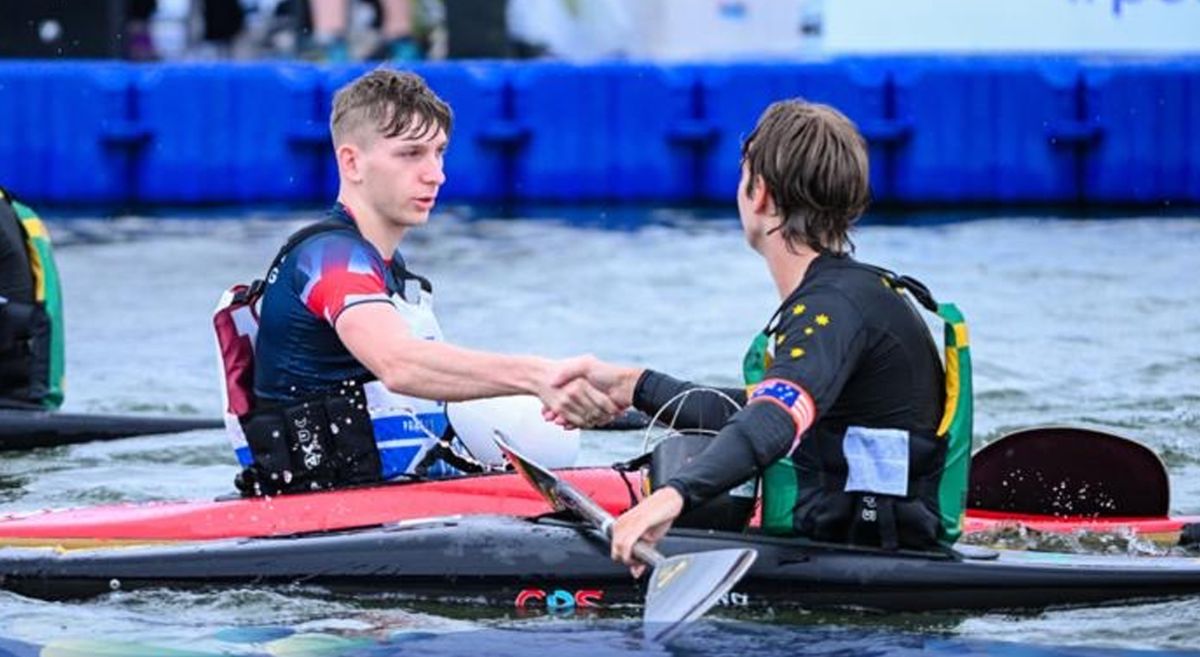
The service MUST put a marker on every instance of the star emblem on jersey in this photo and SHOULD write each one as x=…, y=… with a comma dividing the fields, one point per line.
x=822, y=320
x=799, y=309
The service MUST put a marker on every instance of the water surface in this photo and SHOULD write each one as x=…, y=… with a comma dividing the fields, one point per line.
x=1072, y=321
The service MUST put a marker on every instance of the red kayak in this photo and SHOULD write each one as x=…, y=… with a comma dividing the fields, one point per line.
x=1114, y=485
x=506, y=494
x=376, y=505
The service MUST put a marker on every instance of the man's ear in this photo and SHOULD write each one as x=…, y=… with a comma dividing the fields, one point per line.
x=760, y=198
x=348, y=160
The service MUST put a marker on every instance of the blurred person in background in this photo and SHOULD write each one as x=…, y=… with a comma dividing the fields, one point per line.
x=331, y=22
x=139, y=46
x=224, y=21
x=570, y=29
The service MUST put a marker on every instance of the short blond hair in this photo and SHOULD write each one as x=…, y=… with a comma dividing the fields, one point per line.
x=389, y=103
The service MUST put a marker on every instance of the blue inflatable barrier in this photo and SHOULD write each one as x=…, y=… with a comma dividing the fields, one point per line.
x=67, y=131
x=994, y=131
x=478, y=161
x=605, y=132
x=735, y=95
x=229, y=133
x=1147, y=116
x=941, y=130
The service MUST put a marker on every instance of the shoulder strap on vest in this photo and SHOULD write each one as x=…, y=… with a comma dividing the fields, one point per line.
x=905, y=282
x=401, y=273
x=251, y=292
x=326, y=226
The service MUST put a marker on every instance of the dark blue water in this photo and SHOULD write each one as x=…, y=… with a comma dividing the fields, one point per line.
x=1071, y=320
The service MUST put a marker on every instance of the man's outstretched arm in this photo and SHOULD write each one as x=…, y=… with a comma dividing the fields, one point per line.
x=380, y=339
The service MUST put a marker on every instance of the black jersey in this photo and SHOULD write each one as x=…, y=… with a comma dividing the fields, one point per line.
x=858, y=350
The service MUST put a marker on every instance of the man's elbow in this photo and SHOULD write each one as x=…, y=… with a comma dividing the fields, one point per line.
x=398, y=377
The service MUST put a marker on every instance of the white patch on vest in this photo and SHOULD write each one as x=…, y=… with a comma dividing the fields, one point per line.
x=877, y=460
x=246, y=323
x=748, y=489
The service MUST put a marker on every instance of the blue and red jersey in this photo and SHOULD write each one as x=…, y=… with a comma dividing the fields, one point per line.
x=298, y=353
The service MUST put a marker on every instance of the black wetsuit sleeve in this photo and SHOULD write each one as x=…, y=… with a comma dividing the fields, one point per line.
x=755, y=437
x=702, y=411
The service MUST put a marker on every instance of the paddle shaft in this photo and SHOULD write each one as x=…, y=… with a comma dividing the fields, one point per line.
x=603, y=520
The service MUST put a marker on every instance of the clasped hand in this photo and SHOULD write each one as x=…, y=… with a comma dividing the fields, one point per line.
x=587, y=392
x=590, y=392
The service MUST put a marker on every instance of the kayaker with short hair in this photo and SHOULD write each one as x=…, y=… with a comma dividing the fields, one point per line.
x=846, y=413
x=350, y=372
x=31, y=316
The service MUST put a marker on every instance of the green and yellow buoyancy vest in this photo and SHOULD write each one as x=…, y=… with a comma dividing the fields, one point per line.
x=37, y=356
x=780, y=486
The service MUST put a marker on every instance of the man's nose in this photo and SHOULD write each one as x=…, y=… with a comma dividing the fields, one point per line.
x=435, y=173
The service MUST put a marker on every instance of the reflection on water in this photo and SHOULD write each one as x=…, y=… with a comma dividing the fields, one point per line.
x=1071, y=321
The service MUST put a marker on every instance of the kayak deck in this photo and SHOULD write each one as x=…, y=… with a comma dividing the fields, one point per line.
x=30, y=429
x=494, y=560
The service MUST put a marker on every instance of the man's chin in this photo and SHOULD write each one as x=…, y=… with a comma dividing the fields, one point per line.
x=413, y=219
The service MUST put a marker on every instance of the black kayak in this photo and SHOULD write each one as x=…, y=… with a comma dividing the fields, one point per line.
x=507, y=562
x=29, y=429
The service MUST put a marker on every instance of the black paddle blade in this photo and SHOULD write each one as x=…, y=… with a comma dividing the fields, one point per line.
x=1069, y=471
x=683, y=587
x=540, y=478
x=561, y=495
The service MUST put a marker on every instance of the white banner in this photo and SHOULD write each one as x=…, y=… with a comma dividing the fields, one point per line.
x=972, y=26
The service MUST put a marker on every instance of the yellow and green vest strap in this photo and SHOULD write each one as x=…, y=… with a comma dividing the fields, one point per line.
x=47, y=292
x=780, y=486
x=958, y=420
x=958, y=417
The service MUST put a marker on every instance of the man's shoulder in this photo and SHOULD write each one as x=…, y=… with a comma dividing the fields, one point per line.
x=331, y=247
x=324, y=233
x=843, y=283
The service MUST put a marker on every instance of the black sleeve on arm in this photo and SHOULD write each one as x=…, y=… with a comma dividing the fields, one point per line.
x=756, y=437
x=702, y=410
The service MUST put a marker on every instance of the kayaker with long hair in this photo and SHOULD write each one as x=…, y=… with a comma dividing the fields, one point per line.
x=847, y=414
x=350, y=372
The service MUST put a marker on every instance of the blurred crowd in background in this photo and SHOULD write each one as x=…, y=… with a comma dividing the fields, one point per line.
x=339, y=31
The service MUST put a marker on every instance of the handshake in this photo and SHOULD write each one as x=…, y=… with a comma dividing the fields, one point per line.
x=586, y=392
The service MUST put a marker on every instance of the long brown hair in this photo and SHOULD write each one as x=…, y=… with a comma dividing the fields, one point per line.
x=814, y=163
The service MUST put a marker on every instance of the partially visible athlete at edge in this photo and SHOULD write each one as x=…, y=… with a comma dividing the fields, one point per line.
x=850, y=354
